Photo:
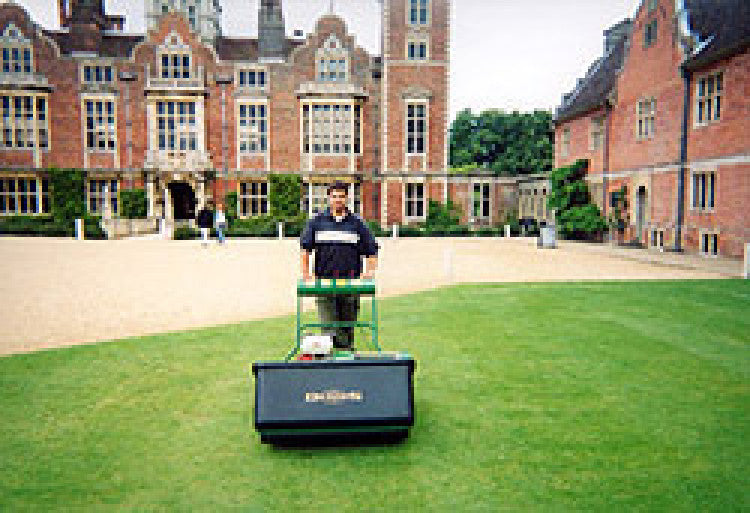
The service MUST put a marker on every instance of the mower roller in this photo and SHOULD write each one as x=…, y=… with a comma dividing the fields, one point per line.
x=340, y=397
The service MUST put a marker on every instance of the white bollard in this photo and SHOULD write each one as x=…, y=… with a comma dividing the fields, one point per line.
x=507, y=230
x=80, y=234
x=747, y=261
x=280, y=229
x=394, y=231
x=448, y=263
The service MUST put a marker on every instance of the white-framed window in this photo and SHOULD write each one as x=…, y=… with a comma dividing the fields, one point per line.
x=657, y=239
x=332, y=61
x=652, y=4
x=24, y=121
x=703, y=191
x=646, y=118
x=708, y=93
x=565, y=142
x=480, y=201
x=331, y=129
x=252, y=130
x=252, y=78
x=175, y=64
x=315, y=196
x=97, y=74
x=418, y=12
x=414, y=198
x=24, y=195
x=176, y=126
x=417, y=49
x=709, y=243
x=596, y=136
x=332, y=70
x=100, y=124
x=174, y=58
x=17, y=53
x=416, y=128
x=100, y=191
x=252, y=199
x=649, y=34
x=191, y=17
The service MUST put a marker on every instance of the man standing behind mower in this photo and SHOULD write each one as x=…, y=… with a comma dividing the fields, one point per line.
x=339, y=239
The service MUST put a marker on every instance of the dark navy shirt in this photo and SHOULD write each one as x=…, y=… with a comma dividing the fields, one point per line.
x=339, y=245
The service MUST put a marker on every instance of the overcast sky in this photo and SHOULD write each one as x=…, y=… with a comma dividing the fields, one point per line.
x=506, y=54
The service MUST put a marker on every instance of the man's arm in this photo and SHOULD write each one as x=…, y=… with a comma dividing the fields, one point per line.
x=368, y=247
x=306, y=265
x=307, y=245
x=371, y=267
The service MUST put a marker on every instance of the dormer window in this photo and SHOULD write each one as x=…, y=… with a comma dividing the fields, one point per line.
x=174, y=58
x=332, y=61
x=17, y=56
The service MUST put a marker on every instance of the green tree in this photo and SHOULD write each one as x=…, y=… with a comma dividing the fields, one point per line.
x=508, y=144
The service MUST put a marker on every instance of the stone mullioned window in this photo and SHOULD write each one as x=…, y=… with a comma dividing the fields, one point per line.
x=24, y=121
x=24, y=195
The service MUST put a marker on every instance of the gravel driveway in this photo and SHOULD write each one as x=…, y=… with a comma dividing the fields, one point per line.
x=60, y=292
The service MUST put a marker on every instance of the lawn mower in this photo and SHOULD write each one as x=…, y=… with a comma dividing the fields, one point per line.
x=320, y=395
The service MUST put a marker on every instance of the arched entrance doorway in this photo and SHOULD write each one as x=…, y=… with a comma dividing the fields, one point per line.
x=183, y=200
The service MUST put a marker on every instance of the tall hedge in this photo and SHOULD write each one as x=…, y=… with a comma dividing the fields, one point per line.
x=68, y=194
x=576, y=216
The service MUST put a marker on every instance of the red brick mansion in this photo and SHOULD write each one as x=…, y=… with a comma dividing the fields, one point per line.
x=664, y=116
x=188, y=114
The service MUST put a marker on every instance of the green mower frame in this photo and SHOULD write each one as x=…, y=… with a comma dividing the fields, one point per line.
x=333, y=287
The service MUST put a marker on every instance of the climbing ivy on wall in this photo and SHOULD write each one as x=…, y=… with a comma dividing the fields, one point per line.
x=575, y=215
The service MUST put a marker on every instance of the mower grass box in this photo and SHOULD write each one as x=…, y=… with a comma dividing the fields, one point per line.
x=340, y=400
x=318, y=395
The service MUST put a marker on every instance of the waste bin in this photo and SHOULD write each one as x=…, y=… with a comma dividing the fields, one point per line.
x=547, y=236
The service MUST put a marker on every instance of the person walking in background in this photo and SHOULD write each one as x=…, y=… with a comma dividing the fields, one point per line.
x=220, y=223
x=205, y=220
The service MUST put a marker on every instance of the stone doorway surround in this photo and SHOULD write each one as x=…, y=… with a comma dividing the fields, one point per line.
x=159, y=191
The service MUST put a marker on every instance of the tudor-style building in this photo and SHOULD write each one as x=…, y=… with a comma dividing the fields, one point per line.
x=665, y=113
x=188, y=113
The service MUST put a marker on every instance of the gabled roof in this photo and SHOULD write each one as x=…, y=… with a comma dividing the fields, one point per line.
x=593, y=90
x=724, y=26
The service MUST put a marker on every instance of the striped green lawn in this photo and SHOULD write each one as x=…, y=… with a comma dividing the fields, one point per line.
x=618, y=395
